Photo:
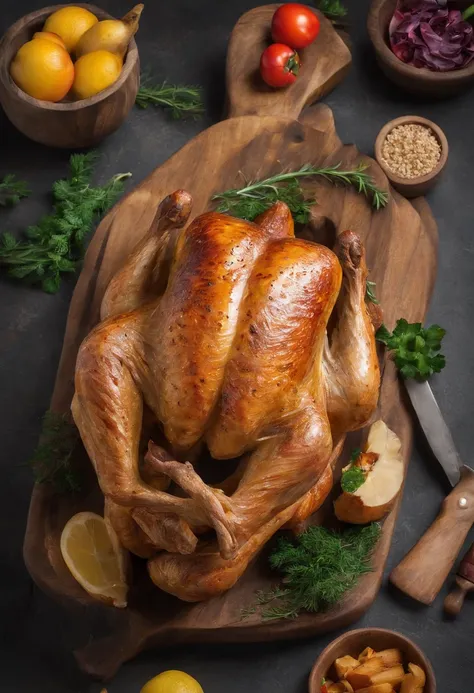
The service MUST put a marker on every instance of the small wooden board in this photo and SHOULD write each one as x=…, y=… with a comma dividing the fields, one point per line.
x=401, y=243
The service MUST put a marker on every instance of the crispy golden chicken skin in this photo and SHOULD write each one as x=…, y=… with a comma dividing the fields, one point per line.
x=221, y=329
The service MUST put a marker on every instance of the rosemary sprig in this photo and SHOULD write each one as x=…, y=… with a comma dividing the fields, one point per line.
x=12, y=190
x=54, y=246
x=317, y=569
x=370, y=292
x=332, y=9
x=180, y=100
x=254, y=198
x=51, y=461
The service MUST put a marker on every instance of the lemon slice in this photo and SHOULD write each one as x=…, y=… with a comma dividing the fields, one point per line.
x=92, y=553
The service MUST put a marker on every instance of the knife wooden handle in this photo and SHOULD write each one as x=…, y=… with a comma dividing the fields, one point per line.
x=455, y=599
x=423, y=571
x=464, y=584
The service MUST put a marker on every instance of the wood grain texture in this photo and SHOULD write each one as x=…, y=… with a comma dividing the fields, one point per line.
x=355, y=641
x=401, y=243
x=420, y=81
x=323, y=65
x=424, y=569
x=67, y=124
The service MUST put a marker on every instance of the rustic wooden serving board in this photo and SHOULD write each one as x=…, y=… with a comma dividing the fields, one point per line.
x=401, y=243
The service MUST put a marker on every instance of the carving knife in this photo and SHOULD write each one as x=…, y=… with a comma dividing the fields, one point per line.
x=422, y=572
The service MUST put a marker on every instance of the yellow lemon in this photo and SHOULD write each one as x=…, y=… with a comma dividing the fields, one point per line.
x=92, y=553
x=172, y=682
x=43, y=69
x=70, y=23
x=49, y=36
x=94, y=72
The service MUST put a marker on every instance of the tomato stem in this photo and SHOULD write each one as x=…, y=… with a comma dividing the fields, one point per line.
x=293, y=64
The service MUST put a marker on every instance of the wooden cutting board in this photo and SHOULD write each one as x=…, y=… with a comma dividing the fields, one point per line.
x=401, y=243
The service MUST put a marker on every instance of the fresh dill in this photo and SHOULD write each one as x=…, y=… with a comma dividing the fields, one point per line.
x=55, y=245
x=257, y=196
x=332, y=9
x=12, y=190
x=370, y=292
x=52, y=459
x=180, y=100
x=318, y=569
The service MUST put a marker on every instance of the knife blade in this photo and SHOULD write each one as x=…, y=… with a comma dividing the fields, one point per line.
x=423, y=571
x=435, y=428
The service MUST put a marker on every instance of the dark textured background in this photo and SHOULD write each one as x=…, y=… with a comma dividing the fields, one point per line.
x=185, y=41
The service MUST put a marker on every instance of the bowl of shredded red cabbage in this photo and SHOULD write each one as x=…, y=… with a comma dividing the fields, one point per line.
x=432, y=34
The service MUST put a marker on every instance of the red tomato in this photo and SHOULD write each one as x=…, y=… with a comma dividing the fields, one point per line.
x=279, y=65
x=295, y=25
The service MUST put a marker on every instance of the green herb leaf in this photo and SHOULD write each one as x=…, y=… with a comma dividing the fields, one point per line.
x=370, y=292
x=352, y=479
x=12, y=190
x=415, y=349
x=468, y=13
x=181, y=101
x=317, y=569
x=333, y=9
x=258, y=196
x=52, y=459
x=355, y=454
x=55, y=245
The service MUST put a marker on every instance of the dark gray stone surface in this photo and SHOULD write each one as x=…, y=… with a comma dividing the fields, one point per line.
x=185, y=42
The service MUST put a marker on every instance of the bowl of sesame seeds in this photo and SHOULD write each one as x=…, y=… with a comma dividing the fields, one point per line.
x=412, y=151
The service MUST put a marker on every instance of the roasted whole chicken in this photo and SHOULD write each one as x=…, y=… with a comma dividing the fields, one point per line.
x=219, y=332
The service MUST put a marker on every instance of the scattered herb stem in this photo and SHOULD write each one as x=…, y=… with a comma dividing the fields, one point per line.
x=255, y=197
x=52, y=459
x=181, y=101
x=55, y=245
x=12, y=190
x=317, y=569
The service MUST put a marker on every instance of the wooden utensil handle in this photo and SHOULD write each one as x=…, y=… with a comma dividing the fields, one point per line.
x=466, y=567
x=455, y=599
x=422, y=572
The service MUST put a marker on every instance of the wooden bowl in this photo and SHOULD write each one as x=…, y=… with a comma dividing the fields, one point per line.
x=413, y=187
x=354, y=641
x=417, y=80
x=66, y=124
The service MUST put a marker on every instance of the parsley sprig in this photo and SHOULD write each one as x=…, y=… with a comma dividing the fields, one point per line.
x=257, y=196
x=317, y=569
x=353, y=477
x=416, y=350
x=12, y=190
x=54, y=246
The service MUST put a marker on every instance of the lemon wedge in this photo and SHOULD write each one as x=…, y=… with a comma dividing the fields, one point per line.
x=92, y=553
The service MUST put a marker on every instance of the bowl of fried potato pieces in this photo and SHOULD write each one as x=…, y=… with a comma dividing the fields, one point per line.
x=372, y=660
